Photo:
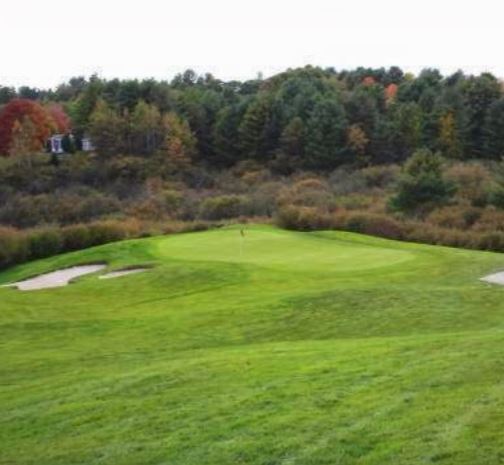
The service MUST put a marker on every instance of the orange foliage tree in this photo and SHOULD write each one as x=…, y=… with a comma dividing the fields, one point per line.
x=60, y=118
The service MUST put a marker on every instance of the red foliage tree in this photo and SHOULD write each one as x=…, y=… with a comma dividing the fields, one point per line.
x=390, y=92
x=60, y=118
x=15, y=112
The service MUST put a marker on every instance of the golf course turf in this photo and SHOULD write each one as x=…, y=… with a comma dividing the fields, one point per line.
x=273, y=348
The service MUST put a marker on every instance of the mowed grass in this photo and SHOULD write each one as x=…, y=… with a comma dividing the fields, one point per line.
x=279, y=348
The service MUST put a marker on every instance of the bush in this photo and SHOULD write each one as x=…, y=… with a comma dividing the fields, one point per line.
x=75, y=237
x=356, y=201
x=222, y=207
x=381, y=176
x=25, y=211
x=44, y=243
x=431, y=234
x=261, y=202
x=375, y=225
x=13, y=247
x=344, y=182
x=471, y=181
x=496, y=197
x=308, y=192
x=421, y=186
x=106, y=231
x=493, y=241
x=303, y=218
x=454, y=217
x=491, y=219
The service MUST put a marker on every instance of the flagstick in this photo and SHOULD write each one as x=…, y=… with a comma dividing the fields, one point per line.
x=242, y=238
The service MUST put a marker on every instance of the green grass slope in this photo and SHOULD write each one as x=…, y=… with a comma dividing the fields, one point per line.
x=281, y=348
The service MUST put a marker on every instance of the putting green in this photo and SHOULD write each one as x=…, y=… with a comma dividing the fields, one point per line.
x=273, y=348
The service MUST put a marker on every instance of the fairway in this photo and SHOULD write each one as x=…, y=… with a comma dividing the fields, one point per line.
x=273, y=348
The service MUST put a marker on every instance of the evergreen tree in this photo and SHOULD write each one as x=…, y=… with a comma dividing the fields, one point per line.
x=494, y=130
x=292, y=141
x=254, y=129
x=422, y=186
x=108, y=129
x=326, y=136
x=226, y=136
x=83, y=107
x=479, y=93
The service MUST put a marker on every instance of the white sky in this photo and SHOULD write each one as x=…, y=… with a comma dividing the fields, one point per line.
x=44, y=42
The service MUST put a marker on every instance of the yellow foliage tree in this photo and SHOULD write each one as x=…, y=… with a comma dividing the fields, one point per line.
x=448, y=136
x=179, y=145
x=357, y=141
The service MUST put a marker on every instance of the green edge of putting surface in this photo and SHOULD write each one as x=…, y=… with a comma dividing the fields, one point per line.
x=274, y=348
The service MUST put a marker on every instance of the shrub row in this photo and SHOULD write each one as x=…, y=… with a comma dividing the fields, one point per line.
x=382, y=225
x=17, y=246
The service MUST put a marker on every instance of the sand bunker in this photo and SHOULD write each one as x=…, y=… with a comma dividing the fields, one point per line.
x=496, y=278
x=119, y=273
x=56, y=278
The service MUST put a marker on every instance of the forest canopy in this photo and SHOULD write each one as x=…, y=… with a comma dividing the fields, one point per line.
x=308, y=118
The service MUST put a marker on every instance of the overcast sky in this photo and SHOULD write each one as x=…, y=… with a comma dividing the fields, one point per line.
x=44, y=42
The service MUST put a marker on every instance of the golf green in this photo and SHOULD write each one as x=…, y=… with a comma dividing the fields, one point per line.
x=272, y=347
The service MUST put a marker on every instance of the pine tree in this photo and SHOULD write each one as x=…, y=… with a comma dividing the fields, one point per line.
x=494, y=130
x=253, y=130
x=326, y=136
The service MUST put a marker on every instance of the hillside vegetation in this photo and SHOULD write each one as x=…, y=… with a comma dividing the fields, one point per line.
x=377, y=151
x=278, y=347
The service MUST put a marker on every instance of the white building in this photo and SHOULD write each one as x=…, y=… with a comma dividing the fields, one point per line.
x=56, y=144
x=87, y=145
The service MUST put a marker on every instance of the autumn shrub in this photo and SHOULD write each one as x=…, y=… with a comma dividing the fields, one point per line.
x=374, y=224
x=355, y=201
x=262, y=200
x=380, y=176
x=165, y=203
x=493, y=241
x=13, y=247
x=454, y=217
x=75, y=237
x=307, y=192
x=45, y=242
x=149, y=208
x=472, y=182
x=106, y=231
x=222, y=207
x=343, y=181
x=300, y=218
x=455, y=238
x=228, y=183
x=491, y=219
x=257, y=177
x=26, y=211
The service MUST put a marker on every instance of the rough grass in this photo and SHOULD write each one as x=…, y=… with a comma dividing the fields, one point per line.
x=293, y=348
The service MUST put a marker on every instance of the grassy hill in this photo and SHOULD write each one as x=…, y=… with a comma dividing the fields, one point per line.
x=279, y=348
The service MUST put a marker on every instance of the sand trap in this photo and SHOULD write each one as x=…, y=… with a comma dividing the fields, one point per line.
x=58, y=278
x=496, y=278
x=119, y=273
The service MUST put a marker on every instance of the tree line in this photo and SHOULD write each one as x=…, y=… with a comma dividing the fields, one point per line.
x=303, y=119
